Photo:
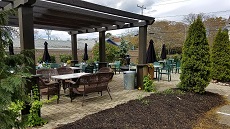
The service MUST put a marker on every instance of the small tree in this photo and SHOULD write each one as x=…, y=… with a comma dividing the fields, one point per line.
x=111, y=52
x=220, y=57
x=196, y=64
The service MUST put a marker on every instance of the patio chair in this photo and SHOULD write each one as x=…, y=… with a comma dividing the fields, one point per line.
x=177, y=67
x=104, y=70
x=117, y=66
x=74, y=63
x=90, y=83
x=49, y=88
x=157, y=68
x=171, y=63
x=165, y=70
x=89, y=69
x=47, y=73
x=54, y=65
x=65, y=70
x=95, y=67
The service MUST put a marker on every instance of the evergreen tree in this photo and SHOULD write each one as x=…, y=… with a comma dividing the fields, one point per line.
x=11, y=81
x=196, y=63
x=220, y=57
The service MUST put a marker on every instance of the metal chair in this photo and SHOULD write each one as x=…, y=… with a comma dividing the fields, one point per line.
x=117, y=66
x=177, y=67
x=165, y=70
x=54, y=65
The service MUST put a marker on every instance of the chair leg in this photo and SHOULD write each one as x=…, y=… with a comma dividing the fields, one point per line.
x=168, y=77
x=101, y=93
x=71, y=94
x=158, y=76
x=83, y=99
x=58, y=94
x=109, y=94
x=108, y=89
x=114, y=70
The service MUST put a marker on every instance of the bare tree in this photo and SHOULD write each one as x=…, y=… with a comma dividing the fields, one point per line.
x=170, y=33
x=48, y=33
x=36, y=34
x=192, y=17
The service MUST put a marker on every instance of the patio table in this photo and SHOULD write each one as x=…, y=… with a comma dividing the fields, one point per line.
x=76, y=69
x=68, y=76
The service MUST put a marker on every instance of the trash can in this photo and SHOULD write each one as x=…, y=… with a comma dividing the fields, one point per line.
x=129, y=79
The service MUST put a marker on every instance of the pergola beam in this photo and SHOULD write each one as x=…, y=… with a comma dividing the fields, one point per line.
x=68, y=15
x=81, y=11
x=100, y=8
x=16, y=3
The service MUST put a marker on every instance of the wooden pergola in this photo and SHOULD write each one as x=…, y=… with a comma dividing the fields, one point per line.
x=76, y=17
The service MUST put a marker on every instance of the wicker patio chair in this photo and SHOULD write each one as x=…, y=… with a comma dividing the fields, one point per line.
x=64, y=70
x=49, y=88
x=89, y=83
x=104, y=69
x=47, y=73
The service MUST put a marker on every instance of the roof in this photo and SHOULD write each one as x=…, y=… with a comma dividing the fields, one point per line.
x=76, y=15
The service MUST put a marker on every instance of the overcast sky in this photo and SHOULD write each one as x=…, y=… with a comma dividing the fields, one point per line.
x=161, y=9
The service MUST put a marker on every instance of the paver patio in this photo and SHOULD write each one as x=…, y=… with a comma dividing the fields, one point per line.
x=66, y=112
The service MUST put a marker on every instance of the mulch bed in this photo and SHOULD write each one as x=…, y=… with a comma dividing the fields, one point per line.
x=157, y=111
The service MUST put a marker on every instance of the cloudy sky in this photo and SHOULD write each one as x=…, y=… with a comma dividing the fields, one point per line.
x=160, y=9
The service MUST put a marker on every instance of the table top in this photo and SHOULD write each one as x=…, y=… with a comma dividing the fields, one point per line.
x=126, y=68
x=157, y=66
x=162, y=61
x=68, y=76
x=112, y=63
x=75, y=68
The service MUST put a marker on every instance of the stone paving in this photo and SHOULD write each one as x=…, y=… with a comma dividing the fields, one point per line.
x=66, y=112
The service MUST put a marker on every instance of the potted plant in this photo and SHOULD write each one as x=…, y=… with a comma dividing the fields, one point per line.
x=151, y=70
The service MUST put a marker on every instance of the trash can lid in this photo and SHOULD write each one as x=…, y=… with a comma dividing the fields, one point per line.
x=129, y=72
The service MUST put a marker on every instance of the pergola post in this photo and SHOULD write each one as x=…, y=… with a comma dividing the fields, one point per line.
x=26, y=27
x=74, y=45
x=102, y=50
x=142, y=67
x=142, y=44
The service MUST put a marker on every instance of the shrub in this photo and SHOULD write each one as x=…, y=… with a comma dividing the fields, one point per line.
x=148, y=84
x=220, y=57
x=195, y=64
x=52, y=59
x=64, y=58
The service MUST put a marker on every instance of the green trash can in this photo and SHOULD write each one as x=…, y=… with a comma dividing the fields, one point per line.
x=129, y=79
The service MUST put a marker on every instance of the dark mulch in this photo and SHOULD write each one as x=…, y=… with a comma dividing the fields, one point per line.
x=157, y=111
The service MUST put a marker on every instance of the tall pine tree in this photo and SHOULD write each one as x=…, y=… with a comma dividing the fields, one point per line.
x=196, y=63
x=220, y=57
